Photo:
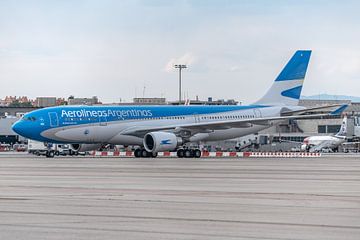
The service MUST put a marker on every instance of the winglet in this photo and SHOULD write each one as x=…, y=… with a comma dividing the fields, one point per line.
x=339, y=110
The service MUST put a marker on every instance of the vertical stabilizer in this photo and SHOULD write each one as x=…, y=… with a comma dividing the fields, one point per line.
x=286, y=89
x=343, y=129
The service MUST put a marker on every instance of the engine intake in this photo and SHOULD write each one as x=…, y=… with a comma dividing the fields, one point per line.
x=161, y=141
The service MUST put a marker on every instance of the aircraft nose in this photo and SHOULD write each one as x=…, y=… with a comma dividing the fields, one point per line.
x=18, y=128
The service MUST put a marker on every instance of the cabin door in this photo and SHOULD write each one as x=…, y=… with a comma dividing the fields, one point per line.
x=197, y=118
x=257, y=113
x=54, y=121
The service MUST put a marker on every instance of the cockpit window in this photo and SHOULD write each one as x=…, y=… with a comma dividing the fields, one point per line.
x=27, y=118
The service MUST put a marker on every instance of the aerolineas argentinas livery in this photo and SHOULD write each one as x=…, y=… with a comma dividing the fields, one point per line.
x=168, y=128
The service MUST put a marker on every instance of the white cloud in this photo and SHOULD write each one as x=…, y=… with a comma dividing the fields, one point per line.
x=187, y=59
x=234, y=69
x=340, y=61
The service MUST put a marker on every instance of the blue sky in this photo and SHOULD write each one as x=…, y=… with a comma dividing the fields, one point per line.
x=234, y=49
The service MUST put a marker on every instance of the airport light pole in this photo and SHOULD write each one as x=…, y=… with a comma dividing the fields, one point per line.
x=180, y=67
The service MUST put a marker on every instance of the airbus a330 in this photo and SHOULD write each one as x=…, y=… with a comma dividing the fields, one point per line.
x=168, y=128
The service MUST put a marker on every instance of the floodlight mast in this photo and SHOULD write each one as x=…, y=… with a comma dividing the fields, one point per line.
x=180, y=67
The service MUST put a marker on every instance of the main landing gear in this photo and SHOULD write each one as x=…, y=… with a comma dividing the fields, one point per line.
x=142, y=153
x=181, y=153
x=188, y=153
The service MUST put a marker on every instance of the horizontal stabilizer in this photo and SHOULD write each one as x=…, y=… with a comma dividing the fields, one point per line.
x=339, y=110
x=308, y=110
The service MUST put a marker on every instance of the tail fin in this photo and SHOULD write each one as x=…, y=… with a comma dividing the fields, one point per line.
x=286, y=88
x=343, y=129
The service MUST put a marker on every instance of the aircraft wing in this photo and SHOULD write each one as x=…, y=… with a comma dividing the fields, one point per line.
x=194, y=128
x=350, y=143
x=289, y=141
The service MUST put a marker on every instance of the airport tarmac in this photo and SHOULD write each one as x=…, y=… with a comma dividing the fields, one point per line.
x=114, y=198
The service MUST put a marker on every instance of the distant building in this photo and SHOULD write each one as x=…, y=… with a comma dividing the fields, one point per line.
x=61, y=101
x=45, y=101
x=150, y=101
x=8, y=100
x=3, y=103
x=15, y=111
x=210, y=101
x=22, y=101
x=83, y=101
x=7, y=135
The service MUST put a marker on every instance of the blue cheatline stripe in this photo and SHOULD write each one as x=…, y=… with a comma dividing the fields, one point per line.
x=292, y=92
x=85, y=114
x=296, y=67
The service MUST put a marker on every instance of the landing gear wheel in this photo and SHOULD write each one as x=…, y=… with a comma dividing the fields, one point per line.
x=137, y=153
x=180, y=153
x=197, y=153
x=153, y=154
x=144, y=153
x=188, y=153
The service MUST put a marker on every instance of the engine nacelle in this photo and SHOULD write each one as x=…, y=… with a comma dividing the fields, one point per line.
x=84, y=147
x=161, y=141
x=306, y=147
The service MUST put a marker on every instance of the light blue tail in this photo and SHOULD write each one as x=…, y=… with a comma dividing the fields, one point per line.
x=286, y=89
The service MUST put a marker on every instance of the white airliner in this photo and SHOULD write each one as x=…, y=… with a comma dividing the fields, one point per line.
x=318, y=143
x=168, y=128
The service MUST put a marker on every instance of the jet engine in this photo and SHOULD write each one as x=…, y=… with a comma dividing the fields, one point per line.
x=161, y=141
x=84, y=147
x=303, y=147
